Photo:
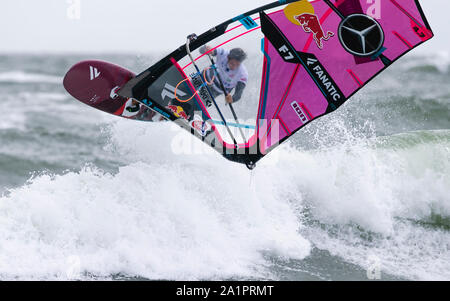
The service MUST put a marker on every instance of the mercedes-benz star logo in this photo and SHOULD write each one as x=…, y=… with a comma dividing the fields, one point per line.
x=361, y=35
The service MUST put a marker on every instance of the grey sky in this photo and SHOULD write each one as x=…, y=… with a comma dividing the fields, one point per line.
x=140, y=25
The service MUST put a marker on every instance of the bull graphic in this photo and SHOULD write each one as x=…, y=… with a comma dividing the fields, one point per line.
x=311, y=24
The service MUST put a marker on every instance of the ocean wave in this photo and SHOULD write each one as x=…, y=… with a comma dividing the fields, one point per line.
x=411, y=140
x=438, y=62
x=46, y=96
x=25, y=77
x=379, y=198
x=179, y=211
x=148, y=228
x=14, y=120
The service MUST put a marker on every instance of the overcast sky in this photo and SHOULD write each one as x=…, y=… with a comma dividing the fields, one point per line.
x=139, y=25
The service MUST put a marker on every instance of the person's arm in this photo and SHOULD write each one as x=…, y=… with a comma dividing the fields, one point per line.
x=207, y=48
x=238, y=91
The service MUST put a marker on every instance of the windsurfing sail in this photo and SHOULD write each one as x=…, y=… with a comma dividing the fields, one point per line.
x=306, y=59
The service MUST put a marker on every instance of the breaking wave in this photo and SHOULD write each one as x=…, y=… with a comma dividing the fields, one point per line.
x=24, y=77
x=196, y=216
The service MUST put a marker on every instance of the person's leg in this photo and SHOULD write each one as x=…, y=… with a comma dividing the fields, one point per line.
x=215, y=93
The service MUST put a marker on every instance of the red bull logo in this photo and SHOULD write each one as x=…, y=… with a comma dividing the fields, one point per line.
x=302, y=13
x=178, y=112
x=311, y=24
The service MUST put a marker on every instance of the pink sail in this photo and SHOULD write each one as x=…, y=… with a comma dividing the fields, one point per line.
x=315, y=56
x=292, y=97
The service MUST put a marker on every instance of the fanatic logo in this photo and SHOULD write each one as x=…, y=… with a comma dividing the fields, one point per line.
x=94, y=72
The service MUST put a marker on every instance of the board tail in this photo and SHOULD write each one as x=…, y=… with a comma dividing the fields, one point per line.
x=96, y=83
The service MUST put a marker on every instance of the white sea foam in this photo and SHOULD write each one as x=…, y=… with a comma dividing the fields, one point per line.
x=25, y=77
x=439, y=59
x=45, y=96
x=166, y=216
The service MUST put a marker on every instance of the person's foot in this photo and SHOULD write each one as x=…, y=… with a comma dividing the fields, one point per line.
x=134, y=109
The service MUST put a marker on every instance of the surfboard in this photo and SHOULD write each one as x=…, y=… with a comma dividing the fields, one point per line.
x=95, y=83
